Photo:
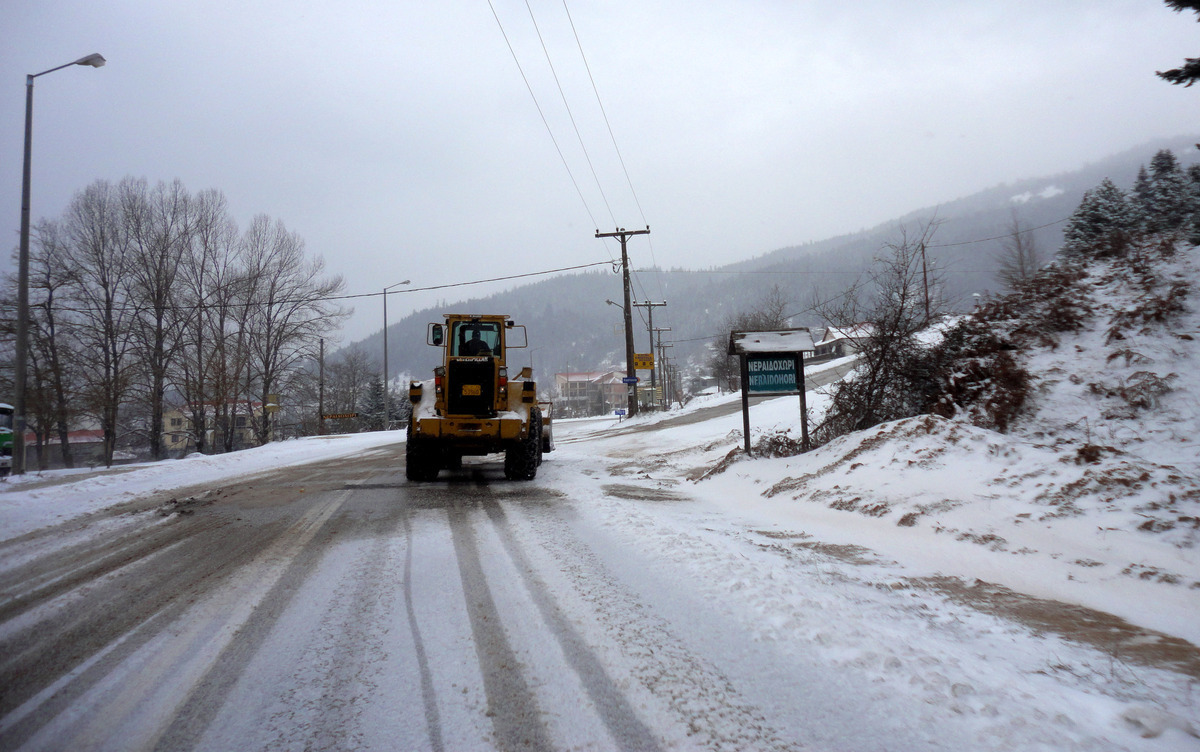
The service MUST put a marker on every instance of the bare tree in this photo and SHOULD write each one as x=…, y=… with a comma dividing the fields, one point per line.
x=906, y=298
x=158, y=223
x=154, y=291
x=347, y=379
x=100, y=259
x=289, y=307
x=50, y=278
x=1019, y=257
x=769, y=313
x=206, y=286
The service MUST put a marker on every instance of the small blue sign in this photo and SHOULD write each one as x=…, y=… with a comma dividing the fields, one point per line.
x=629, y=380
x=619, y=411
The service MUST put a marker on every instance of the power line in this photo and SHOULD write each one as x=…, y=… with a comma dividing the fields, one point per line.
x=998, y=237
x=335, y=298
x=782, y=273
x=612, y=136
x=570, y=114
x=542, y=114
x=604, y=112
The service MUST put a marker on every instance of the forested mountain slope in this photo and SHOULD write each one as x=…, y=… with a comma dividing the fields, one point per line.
x=571, y=327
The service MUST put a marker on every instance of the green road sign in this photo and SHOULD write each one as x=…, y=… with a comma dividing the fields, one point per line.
x=771, y=373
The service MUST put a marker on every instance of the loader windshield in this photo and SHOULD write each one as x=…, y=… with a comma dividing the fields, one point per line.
x=475, y=338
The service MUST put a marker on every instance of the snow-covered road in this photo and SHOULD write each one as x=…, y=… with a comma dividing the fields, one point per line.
x=340, y=607
x=610, y=604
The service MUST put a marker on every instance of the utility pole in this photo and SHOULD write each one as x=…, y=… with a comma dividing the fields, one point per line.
x=630, y=373
x=659, y=357
x=650, y=328
x=321, y=391
x=925, y=276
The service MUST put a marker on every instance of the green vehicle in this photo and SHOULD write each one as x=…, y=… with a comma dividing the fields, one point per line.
x=6, y=438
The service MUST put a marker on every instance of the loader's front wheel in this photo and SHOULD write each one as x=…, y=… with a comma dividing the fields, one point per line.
x=521, y=460
x=421, y=459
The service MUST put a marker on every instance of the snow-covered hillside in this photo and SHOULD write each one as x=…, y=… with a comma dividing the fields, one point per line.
x=1093, y=496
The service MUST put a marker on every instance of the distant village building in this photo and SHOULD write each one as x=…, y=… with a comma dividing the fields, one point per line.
x=179, y=438
x=87, y=450
x=840, y=342
x=590, y=393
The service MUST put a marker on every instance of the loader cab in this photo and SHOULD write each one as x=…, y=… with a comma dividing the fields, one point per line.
x=475, y=338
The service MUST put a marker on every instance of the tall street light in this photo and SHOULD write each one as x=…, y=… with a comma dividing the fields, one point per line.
x=95, y=60
x=387, y=393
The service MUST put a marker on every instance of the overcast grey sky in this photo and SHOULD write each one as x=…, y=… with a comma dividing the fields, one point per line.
x=398, y=138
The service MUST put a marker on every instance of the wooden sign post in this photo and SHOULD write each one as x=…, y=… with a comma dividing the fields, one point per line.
x=772, y=363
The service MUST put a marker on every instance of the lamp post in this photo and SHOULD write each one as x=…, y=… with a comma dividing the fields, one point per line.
x=18, y=461
x=387, y=393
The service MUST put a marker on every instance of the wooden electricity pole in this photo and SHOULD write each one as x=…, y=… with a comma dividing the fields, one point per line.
x=321, y=391
x=630, y=373
x=661, y=358
x=650, y=327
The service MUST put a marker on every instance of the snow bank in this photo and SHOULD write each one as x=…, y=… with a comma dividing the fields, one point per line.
x=36, y=500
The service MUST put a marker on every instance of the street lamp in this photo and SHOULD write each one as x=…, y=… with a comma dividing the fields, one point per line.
x=387, y=393
x=531, y=352
x=95, y=60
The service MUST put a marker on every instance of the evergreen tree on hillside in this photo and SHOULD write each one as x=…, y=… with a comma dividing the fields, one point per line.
x=1192, y=177
x=1142, y=195
x=1102, y=224
x=1168, y=202
x=371, y=411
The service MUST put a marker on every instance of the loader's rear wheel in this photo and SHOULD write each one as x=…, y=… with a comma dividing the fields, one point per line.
x=421, y=459
x=521, y=460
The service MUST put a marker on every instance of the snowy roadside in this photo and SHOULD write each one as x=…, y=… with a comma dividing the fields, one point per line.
x=1092, y=498
x=37, y=500
x=944, y=498
x=1042, y=584
x=979, y=606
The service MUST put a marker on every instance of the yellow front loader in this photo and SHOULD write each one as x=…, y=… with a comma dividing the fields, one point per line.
x=472, y=406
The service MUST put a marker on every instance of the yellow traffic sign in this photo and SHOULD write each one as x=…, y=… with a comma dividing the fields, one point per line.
x=643, y=361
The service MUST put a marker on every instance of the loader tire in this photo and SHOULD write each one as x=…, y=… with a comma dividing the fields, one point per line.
x=421, y=460
x=521, y=460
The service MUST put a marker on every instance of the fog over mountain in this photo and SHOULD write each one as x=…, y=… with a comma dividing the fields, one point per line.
x=572, y=328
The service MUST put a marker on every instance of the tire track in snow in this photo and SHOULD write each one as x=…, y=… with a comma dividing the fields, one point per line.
x=622, y=723
x=516, y=718
x=171, y=663
x=704, y=705
x=207, y=699
x=339, y=672
x=433, y=721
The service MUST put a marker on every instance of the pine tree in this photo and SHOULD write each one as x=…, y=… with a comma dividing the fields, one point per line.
x=1168, y=201
x=1188, y=73
x=1141, y=197
x=371, y=412
x=1102, y=224
x=1193, y=185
